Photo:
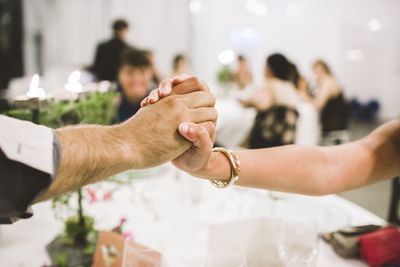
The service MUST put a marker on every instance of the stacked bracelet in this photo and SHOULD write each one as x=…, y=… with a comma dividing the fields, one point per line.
x=235, y=168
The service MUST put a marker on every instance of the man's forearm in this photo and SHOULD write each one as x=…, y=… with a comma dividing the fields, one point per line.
x=90, y=153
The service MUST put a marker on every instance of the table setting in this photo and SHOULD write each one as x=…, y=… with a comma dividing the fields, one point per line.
x=191, y=223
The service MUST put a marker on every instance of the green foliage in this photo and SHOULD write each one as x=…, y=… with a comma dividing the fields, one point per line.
x=225, y=75
x=21, y=114
x=61, y=259
x=55, y=114
x=97, y=108
x=94, y=108
x=73, y=227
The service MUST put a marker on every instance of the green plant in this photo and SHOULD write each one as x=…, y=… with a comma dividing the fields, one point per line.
x=19, y=113
x=225, y=75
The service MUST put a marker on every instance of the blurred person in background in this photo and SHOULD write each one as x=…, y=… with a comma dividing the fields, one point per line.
x=134, y=82
x=299, y=81
x=155, y=74
x=276, y=103
x=329, y=99
x=242, y=76
x=108, y=53
x=179, y=65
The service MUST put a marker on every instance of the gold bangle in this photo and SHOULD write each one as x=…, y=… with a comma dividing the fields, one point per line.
x=234, y=163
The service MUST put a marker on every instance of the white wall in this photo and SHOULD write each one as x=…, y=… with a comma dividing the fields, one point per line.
x=322, y=28
x=72, y=28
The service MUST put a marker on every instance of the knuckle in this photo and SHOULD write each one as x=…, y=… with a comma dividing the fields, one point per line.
x=164, y=82
x=195, y=80
x=177, y=104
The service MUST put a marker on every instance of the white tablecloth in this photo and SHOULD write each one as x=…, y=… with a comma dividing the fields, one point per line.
x=172, y=212
x=234, y=122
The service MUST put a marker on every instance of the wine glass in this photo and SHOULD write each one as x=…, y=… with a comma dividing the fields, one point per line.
x=298, y=244
x=226, y=258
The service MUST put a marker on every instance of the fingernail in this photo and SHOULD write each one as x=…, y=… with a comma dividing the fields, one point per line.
x=184, y=127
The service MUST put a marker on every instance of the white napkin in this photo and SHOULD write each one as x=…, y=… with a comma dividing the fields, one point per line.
x=256, y=239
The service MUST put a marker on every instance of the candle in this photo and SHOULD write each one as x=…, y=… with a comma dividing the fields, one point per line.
x=34, y=90
x=73, y=84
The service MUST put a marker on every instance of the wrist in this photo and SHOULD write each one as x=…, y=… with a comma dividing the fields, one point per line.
x=126, y=144
x=217, y=167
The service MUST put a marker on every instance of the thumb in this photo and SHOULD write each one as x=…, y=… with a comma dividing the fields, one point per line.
x=196, y=134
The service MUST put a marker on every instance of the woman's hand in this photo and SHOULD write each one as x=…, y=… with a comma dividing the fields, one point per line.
x=202, y=136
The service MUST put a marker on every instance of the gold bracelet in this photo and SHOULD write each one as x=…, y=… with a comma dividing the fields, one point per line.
x=235, y=168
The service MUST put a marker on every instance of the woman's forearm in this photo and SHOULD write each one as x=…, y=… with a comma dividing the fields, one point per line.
x=316, y=170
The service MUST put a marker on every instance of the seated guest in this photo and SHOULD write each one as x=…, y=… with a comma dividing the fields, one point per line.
x=179, y=65
x=329, y=99
x=155, y=74
x=242, y=75
x=108, y=53
x=299, y=81
x=134, y=81
x=276, y=104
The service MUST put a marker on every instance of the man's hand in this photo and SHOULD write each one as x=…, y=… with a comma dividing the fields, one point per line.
x=154, y=128
x=90, y=153
x=202, y=136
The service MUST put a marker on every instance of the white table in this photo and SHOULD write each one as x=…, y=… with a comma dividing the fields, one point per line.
x=234, y=122
x=181, y=230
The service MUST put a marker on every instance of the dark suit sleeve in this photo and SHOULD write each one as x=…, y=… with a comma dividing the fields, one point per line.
x=97, y=61
x=20, y=184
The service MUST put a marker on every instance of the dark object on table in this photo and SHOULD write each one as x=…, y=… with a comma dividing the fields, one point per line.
x=394, y=216
x=346, y=241
x=381, y=247
x=274, y=127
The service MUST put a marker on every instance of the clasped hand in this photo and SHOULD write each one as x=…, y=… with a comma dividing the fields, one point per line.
x=202, y=135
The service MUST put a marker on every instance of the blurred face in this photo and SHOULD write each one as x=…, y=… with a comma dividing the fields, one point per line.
x=135, y=81
x=122, y=34
x=243, y=64
x=182, y=65
x=318, y=71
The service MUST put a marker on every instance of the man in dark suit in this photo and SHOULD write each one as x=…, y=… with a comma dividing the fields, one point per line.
x=108, y=53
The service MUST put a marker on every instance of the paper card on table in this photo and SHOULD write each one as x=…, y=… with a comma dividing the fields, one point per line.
x=256, y=239
x=113, y=250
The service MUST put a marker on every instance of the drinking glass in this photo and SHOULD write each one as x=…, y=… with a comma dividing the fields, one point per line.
x=298, y=244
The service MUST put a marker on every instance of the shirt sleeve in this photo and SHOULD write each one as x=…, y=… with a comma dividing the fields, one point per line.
x=29, y=159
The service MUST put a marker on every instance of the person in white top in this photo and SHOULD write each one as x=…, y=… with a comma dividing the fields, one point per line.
x=279, y=89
